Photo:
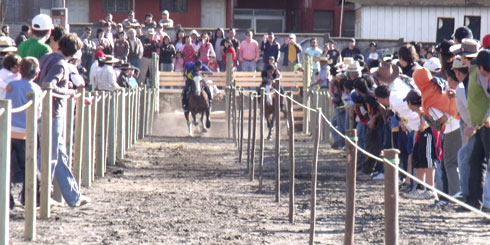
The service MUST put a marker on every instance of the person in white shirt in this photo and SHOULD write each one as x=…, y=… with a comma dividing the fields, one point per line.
x=9, y=72
x=105, y=78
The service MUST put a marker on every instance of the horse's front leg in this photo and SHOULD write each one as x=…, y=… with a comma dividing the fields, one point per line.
x=204, y=130
x=189, y=124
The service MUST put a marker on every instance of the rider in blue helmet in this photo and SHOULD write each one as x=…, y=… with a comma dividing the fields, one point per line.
x=191, y=69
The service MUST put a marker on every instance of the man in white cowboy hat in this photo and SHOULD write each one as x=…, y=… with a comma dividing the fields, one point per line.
x=53, y=75
x=149, y=46
x=106, y=77
x=41, y=30
x=353, y=70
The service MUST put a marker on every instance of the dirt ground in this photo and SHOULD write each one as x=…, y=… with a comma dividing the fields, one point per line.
x=173, y=189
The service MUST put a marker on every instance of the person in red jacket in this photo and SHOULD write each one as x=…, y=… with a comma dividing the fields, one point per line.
x=229, y=50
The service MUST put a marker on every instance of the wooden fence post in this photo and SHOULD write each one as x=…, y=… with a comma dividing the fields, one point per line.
x=350, y=173
x=261, y=154
x=46, y=150
x=292, y=164
x=70, y=112
x=127, y=120
x=5, y=131
x=151, y=111
x=249, y=130
x=306, y=85
x=31, y=168
x=242, y=104
x=148, y=110
x=93, y=137
x=112, y=129
x=100, y=137
x=277, y=116
x=136, y=114
x=143, y=105
x=314, y=175
x=391, y=196
x=313, y=104
x=325, y=111
x=87, y=148
x=254, y=130
x=229, y=78
x=233, y=102
x=120, y=126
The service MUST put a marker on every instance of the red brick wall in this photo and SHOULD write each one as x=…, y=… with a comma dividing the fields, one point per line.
x=192, y=18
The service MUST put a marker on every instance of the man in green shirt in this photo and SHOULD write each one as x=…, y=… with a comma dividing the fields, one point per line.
x=35, y=46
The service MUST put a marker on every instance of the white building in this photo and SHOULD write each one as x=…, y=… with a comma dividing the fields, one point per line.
x=421, y=21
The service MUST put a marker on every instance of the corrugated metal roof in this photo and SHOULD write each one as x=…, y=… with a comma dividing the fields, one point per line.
x=442, y=3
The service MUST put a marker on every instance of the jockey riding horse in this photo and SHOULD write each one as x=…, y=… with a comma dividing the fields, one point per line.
x=192, y=69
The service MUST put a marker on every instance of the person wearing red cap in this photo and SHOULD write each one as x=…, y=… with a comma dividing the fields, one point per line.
x=95, y=66
x=485, y=43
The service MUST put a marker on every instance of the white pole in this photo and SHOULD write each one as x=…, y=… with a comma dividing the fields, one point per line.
x=341, y=18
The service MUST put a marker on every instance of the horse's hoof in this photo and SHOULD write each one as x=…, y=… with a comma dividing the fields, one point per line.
x=195, y=123
x=208, y=124
x=269, y=138
x=204, y=130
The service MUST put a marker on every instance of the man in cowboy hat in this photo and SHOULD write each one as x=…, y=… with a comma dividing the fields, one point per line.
x=386, y=73
x=106, y=77
x=123, y=79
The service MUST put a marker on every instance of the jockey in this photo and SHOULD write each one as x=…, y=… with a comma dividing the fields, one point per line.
x=269, y=75
x=192, y=69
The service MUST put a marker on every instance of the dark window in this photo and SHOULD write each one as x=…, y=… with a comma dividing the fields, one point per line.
x=445, y=29
x=173, y=5
x=349, y=24
x=474, y=23
x=116, y=5
x=323, y=21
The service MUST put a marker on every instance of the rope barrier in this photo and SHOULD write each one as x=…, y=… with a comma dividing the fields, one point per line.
x=22, y=108
x=392, y=163
x=2, y=110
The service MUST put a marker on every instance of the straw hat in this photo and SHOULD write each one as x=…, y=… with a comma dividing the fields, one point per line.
x=109, y=59
x=354, y=67
x=6, y=45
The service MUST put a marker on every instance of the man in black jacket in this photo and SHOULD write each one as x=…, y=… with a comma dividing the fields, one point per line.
x=123, y=79
x=270, y=48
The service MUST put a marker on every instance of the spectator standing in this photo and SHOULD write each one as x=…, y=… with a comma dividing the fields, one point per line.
x=149, y=46
x=167, y=54
x=188, y=51
x=269, y=47
x=106, y=78
x=102, y=43
x=461, y=33
x=108, y=19
x=6, y=32
x=140, y=34
x=121, y=47
x=23, y=35
x=195, y=37
x=407, y=58
x=205, y=49
x=249, y=53
x=55, y=37
x=135, y=49
x=17, y=94
x=41, y=30
x=315, y=53
x=108, y=35
x=95, y=67
x=218, y=37
x=351, y=50
x=229, y=49
x=130, y=22
x=291, y=52
x=166, y=21
x=179, y=41
x=119, y=28
x=213, y=64
x=10, y=70
x=88, y=49
x=123, y=79
x=179, y=62
x=53, y=74
x=372, y=54
x=333, y=56
x=149, y=22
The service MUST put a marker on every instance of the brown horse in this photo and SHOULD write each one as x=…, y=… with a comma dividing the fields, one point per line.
x=198, y=104
x=270, y=105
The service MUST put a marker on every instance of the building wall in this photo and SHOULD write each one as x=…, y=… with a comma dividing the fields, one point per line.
x=412, y=23
x=192, y=18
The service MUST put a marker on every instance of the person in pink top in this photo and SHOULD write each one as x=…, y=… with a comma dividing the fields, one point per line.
x=179, y=62
x=205, y=49
x=188, y=51
x=249, y=53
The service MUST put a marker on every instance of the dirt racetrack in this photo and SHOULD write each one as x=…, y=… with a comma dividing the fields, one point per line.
x=173, y=189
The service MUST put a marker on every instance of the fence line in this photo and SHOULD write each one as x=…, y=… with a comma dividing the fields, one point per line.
x=389, y=157
x=94, y=131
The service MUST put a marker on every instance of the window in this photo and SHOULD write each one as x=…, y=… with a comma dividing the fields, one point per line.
x=116, y=5
x=349, y=24
x=173, y=5
x=474, y=23
x=260, y=20
x=323, y=21
x=445, y=29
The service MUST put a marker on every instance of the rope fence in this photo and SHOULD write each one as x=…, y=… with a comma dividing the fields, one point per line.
x=387, y=156
x=100, y=127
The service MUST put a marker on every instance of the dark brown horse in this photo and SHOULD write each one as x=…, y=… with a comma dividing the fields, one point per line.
x=198, y=104
x=270, y=105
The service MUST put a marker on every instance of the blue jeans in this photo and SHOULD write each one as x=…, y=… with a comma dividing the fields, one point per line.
x=486, y=190
x=361, y=136
x=222, y=65
x=339, y=123
x=59, y=168
x=464, y=165
x=135, y=62
x=249, y=66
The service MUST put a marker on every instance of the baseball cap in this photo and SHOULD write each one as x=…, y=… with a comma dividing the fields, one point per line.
x=433, y=64
x=165, y=12
x=444, y=46
x=352, y=40
x=198, y=63
x=99, y=54
x=413, y=96
x=292, y=35
x=462, y=32
x=42, y=22
x=458, y=63
x=485, y=42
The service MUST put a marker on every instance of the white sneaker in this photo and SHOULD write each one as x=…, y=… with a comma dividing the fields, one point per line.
x=415, y=194
x=379, y=176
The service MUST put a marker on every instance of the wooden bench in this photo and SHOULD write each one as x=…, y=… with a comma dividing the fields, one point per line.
x=289, y=80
